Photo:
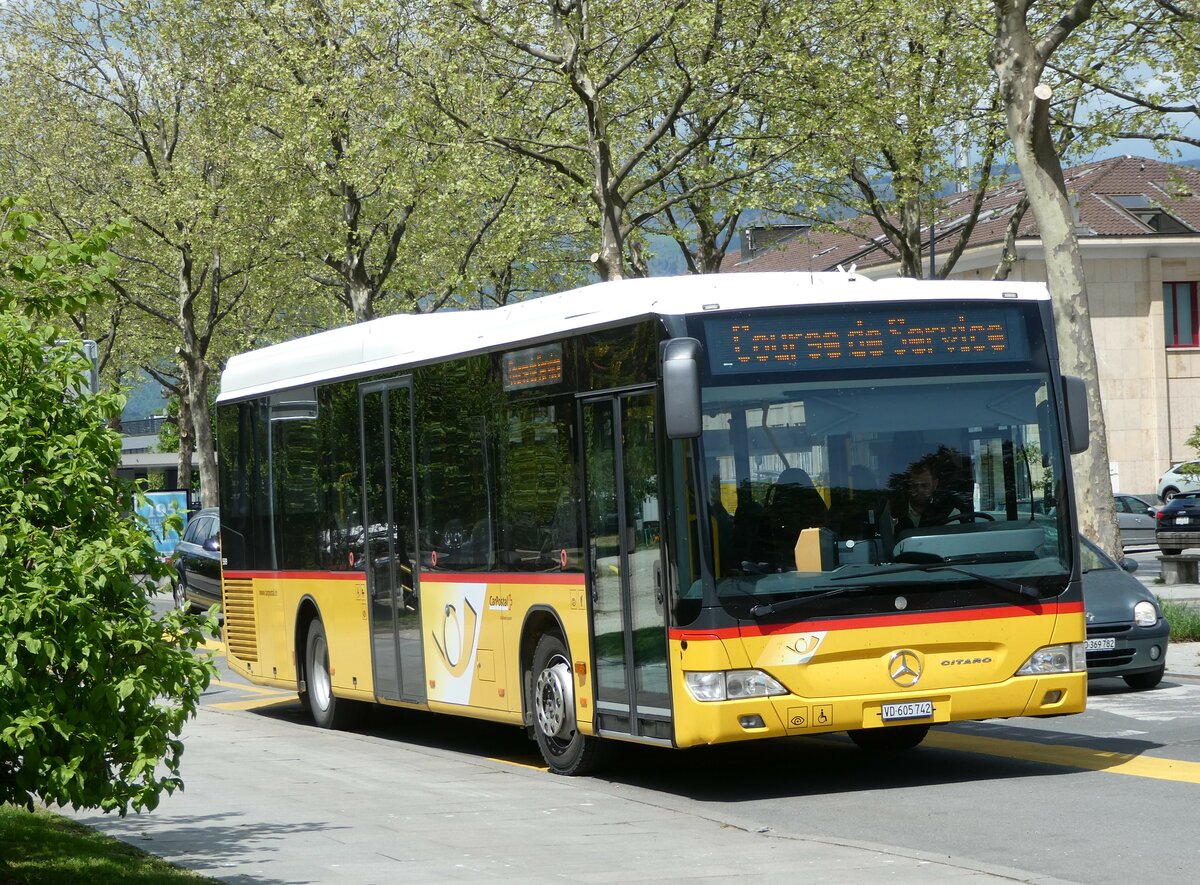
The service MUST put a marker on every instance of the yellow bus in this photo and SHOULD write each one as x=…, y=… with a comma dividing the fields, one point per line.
x=674, y=511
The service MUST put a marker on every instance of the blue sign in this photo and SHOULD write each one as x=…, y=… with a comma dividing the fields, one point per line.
x=154, y=509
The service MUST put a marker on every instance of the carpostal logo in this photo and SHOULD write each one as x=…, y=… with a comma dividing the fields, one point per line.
x=804, y=646
x=497, y=603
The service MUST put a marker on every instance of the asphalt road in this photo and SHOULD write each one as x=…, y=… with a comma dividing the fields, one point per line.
x=1108, y=796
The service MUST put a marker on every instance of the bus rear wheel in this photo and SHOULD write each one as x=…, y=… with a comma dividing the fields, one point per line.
x=892, y=737
x=327, y=710
x=564, y=748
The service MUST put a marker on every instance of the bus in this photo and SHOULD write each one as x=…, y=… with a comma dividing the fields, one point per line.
x=673, y=511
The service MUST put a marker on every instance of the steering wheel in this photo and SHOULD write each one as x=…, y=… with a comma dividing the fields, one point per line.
x=970, y=514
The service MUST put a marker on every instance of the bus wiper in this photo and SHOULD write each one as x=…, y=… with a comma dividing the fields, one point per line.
x=760, y=611
x=956, y=566
x=1013, y=587
x=999, y=583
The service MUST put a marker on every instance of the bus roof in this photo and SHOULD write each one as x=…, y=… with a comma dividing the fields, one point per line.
x=406, y=340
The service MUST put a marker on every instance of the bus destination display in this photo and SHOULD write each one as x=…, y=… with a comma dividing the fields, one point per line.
x=870, y=338
x=533, y=367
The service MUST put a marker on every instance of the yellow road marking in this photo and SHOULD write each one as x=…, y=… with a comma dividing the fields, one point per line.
x=517, y=764
x=256, y=689
x=1074, y=757
x=254, y=703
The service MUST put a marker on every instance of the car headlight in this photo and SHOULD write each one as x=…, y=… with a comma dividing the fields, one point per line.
x=1145, y=614
x=720, y=685
x=1069, y=658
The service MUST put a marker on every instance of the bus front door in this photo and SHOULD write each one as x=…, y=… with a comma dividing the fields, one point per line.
x=625, y=573
x=390, y=542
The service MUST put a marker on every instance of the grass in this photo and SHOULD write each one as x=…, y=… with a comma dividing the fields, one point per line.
x=44, y=848
x=1183, y=618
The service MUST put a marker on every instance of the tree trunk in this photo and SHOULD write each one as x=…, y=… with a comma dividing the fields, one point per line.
x=1018, y=64
x=206, y=449
x=195, y=380
x=187, y=437
x=609, y=260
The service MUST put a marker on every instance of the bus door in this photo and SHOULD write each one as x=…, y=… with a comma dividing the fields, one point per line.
x=390, y=541
x=625, y=572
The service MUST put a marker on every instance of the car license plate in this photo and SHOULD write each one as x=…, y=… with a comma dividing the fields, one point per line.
x=1108, y=643
x=1182, y=520
x=908, y=710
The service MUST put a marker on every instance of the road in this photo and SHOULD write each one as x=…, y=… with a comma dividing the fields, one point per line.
x=1106, y=796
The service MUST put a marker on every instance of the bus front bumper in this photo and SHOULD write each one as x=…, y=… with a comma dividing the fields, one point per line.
x=698, y=723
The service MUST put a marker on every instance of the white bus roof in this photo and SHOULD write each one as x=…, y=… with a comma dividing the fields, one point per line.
x=405, y=340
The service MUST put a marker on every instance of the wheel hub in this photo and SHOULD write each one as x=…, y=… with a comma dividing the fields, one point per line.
x=555, y=696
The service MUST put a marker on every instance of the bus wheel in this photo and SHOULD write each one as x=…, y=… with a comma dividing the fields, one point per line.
x=564, y=748
x=893, y=737
x=327, y=711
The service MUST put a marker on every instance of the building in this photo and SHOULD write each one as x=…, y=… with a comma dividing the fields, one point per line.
x=1138, y=222
x=141, y=461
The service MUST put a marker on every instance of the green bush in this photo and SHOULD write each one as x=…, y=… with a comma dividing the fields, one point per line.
x=1183, y=618
x=94, y=690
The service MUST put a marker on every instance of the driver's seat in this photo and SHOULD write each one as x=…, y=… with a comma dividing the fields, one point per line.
x=792, y=505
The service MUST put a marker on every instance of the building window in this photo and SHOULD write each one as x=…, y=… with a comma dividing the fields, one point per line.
x=1180, y=314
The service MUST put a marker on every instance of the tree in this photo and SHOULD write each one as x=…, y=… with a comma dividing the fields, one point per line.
x=94, y=690
x=388, y=211
x=148, y=126
x=1140, y=68
x=611, y=98
x=1019, y=57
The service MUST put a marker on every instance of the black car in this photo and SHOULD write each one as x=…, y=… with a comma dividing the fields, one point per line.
x=1127, y=634
x=1177, y=524
x=197, y=561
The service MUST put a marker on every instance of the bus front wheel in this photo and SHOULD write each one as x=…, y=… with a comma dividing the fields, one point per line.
x=892, y=737
x=565, y=749
x=327, y=710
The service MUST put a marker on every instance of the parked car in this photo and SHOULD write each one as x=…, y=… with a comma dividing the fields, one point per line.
x=1177, y=524
x=1135, y=518
x=197, y=561
x=1127, y=634
x=1173, y=481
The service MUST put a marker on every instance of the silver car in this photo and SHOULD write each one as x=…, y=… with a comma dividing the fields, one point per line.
x=1135, y=519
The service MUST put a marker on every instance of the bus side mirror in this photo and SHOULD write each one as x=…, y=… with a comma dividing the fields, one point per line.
x=681, y=387
x=1075, y=399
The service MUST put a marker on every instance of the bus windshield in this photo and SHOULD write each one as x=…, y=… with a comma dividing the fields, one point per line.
x=833, y=495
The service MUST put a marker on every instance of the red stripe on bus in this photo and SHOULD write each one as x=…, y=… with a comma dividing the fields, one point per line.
x=431, y=577
x=866, y=622
x=574, y=578
x=297, y=576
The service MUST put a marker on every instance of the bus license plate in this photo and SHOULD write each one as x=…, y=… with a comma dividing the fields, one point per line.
x=908, y=710
x=1106, y=644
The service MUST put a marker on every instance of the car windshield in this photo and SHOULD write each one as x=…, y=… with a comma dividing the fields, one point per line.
x=1091, y=559
x=938, y=491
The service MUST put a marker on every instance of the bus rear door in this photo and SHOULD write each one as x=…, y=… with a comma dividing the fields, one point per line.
x=389, y=540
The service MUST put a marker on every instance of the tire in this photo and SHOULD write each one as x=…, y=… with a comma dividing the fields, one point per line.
x=1169, y=492
x=179, y=592
x=1171, y=551
x=327, y=710
x=889, y=738
x=552, y=702
x=1143, y=681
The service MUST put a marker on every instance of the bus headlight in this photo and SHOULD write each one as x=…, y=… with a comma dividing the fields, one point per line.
x=721, y=685
x=1055, y=659
x=1145, y=614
